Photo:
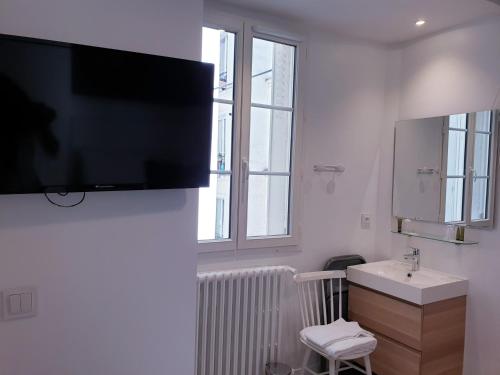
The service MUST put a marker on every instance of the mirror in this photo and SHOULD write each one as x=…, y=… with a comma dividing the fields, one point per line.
x=444, y=169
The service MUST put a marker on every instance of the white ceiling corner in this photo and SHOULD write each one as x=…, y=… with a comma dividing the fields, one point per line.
x=382, y=21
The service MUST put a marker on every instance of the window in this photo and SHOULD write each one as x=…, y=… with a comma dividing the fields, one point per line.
x=214, y=202
x=271, y=121
x=470, y=166
x=481, y=166
x=455, y=179
x=251, y=198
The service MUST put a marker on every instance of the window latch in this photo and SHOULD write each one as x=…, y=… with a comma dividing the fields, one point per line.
x=244, y=176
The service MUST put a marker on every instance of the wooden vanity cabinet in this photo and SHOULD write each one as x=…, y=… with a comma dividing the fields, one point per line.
x=412, y=339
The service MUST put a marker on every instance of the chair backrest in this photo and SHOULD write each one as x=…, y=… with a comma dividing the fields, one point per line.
x=314, y=289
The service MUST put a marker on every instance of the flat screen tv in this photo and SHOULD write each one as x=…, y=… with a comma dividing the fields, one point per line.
x=75, y=118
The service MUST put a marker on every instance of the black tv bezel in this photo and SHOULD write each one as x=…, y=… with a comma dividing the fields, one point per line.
x=57, y=189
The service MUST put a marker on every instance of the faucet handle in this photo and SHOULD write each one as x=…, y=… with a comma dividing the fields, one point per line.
x=415, y=251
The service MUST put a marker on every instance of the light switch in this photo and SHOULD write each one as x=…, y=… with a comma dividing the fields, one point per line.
x=18, y=303
x=14, y=304
x=26, y=305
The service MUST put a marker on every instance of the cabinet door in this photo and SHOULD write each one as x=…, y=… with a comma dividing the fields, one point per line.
x=443, y=337
x=390, y=317
x=392, y=358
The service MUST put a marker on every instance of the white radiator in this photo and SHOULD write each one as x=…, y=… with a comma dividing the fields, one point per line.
x=238, y=320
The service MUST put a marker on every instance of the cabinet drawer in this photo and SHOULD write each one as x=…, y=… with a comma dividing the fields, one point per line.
x=392, y=358
x=390, y=317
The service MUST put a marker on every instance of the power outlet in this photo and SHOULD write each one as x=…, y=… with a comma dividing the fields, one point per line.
x=19, y=303
x=366, y=221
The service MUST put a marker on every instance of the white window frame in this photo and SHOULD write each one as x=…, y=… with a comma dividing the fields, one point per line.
x=213, y=245
x=469, y=172
x=252, y=31
x=245, y=31
x=492, y=172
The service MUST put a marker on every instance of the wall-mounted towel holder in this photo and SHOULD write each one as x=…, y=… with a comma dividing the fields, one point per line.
x=329, y=168
x=427, y=171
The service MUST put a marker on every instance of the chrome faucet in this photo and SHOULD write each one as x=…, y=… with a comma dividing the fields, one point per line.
x=413, y=259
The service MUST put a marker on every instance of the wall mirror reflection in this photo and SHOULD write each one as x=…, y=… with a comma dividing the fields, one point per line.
x=444, y=169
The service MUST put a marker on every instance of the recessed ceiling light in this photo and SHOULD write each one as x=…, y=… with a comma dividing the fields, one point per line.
x=421, y=22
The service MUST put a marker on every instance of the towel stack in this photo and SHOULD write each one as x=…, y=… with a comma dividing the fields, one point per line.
x=340, y=339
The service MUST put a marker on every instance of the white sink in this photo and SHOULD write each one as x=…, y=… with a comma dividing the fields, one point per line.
x=393, y=277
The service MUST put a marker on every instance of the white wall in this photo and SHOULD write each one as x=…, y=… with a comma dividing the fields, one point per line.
x=454, y=72
x=343, y=83
x=355, y=92
x=116, y=275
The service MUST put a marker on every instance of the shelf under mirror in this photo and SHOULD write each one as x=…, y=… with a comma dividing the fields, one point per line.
x=435, y=238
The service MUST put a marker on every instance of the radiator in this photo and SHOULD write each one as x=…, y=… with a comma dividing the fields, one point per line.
x=238, y=320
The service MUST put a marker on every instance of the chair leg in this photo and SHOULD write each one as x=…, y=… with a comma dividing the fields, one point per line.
x=334, y=367
x=305, y=362
x=368, y=366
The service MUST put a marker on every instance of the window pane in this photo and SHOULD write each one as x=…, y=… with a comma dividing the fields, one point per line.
x=480, y=199
x=268, y=202
x=218, y=49
x=482, y=154
x=270, y=140
x=214, y=209
x=483, y=121
x=456, y=153
x=272, y=73
x=454, y=199
x=458, y=121
x=222, y=129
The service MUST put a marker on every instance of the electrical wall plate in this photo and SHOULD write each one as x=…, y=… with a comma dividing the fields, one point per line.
x=19, y=303
x=365, y=221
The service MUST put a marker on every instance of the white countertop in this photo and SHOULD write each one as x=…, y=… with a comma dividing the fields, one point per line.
x=395, y=278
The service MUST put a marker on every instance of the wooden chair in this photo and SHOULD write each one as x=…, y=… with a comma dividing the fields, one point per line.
x=313, y=288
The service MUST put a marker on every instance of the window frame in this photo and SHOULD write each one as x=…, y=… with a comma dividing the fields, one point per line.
x=291, y=239
x=469, y=171
x=445, y=177
x=213, y=245
x=493, y=155
x=244, y=32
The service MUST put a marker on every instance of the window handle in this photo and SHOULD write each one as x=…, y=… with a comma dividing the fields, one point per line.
x=473, y=173
x=244, y=176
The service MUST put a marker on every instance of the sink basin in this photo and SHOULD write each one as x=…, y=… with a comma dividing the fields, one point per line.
x=396, y=279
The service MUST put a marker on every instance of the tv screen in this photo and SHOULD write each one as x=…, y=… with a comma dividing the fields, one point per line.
x=78, y=118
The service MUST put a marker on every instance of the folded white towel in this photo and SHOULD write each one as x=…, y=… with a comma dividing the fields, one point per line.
x=352, y=348
x=326, y=335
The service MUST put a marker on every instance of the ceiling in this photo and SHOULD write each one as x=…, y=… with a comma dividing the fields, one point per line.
x=383, y=21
